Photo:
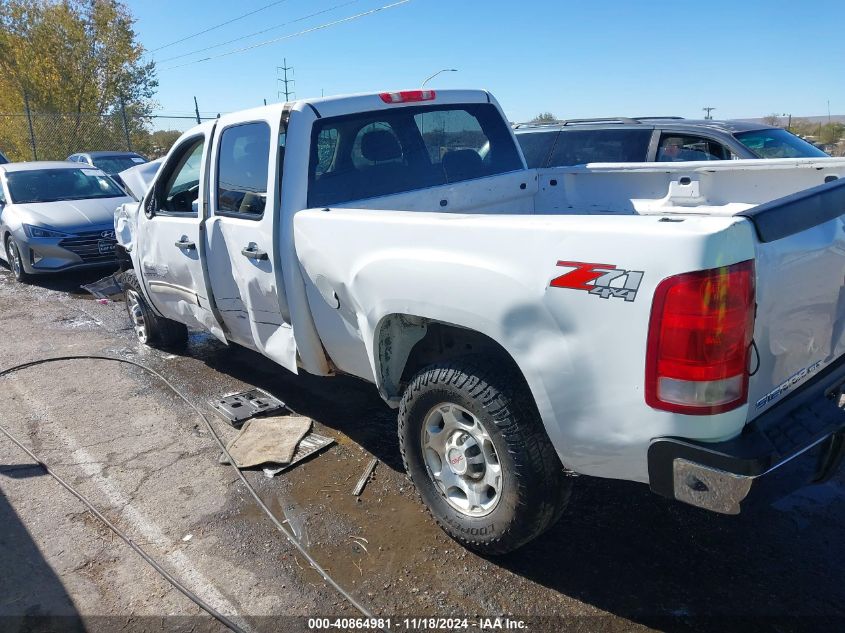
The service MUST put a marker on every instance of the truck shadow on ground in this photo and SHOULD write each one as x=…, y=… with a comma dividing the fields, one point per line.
x=344, y=403
x=627, y=551
x=32, y=597
x=623, y=549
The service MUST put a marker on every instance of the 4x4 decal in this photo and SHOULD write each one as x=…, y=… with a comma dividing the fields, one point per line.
x=596, y=279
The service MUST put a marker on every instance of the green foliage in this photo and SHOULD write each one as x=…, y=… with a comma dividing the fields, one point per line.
x=76, y=57
x=544, y=117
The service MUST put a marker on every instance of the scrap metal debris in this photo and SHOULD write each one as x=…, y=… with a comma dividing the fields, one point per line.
x=359, y=487
x=105, y=288
x=236, y=408
x=357, y=540
x=310, y=444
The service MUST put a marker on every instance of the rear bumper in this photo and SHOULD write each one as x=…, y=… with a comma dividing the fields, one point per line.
x=798, y=442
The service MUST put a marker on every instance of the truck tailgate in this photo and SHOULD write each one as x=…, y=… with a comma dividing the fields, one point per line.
x=800, y=264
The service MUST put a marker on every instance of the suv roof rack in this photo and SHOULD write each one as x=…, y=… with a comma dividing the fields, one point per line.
x=651, y=118
x=535, y=124
x=621, y=120
x=612, y=119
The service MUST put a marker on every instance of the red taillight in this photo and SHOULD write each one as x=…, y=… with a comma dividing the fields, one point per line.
x=699, y=336
x=407, y=96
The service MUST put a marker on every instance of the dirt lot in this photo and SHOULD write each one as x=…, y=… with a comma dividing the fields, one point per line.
x=620, y=559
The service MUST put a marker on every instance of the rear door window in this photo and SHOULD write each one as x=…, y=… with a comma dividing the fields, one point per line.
x=579, y=147
x=536, y=146
x=243, y=169
x=683, y=147
x=371, y=154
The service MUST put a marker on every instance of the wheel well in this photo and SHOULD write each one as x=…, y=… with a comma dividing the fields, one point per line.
x=406, y=344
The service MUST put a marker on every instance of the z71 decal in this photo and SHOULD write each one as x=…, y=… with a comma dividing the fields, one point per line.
x=597, y=278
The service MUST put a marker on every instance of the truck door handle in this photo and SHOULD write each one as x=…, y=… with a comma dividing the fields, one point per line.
x=185, y=244
x=253, y=252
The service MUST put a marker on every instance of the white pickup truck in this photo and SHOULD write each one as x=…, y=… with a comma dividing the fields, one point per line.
x=679, y=325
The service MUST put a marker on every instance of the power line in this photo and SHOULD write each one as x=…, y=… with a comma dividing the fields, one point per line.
x=243, y=37
x=217, y=26
x=292, y=35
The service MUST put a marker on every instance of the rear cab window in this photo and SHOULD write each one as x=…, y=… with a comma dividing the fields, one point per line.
x=579, y=147
x=372, y=154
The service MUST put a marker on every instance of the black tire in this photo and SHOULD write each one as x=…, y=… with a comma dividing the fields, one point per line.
x=534, y=490
x=150, y=328
x=12, y=252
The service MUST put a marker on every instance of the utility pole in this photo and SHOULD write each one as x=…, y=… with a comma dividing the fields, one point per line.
x=125, y=125
x=707, y=111
x=197, y=110
x=287, y=91
x=31, y=131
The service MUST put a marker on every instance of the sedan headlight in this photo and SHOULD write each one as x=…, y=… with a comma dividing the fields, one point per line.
x=39, y=231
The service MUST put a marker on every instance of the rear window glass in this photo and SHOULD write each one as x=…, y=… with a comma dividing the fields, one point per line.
x=536, y=146
x=116, y=164
x=371, y=154
x=578, y=147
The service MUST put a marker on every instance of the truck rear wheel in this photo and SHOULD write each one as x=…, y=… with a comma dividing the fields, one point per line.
x=150, y=329
x=475, y=447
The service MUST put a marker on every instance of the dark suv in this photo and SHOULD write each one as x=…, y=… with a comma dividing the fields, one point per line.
x=655, y=139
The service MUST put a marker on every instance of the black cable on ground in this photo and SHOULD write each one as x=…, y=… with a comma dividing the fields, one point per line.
x=173, y=581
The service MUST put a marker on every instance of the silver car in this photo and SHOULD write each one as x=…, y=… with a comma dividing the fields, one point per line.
x=56, y=216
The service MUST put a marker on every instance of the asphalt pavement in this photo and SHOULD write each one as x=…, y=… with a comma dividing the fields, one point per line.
x=620, y=559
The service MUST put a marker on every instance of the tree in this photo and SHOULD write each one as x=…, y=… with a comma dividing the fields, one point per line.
x=772, y=119
x=544, y=117
x=77, y=57
x=161, y=141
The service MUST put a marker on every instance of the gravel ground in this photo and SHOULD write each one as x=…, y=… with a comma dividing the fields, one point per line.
x=620, y=559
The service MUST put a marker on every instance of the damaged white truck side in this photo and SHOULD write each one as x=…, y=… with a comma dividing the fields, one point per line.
x=679, y=325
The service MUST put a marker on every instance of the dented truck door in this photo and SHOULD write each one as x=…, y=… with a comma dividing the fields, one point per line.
x=170, y=255
x=242, y=234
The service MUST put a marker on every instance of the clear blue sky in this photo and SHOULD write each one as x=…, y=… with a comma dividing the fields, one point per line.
x=747, y=58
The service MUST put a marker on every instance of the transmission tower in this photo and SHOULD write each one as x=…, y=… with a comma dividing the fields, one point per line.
x=284, y=80
x=707, y=111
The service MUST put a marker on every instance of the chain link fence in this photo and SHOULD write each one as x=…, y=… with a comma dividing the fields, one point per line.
x=56, y=135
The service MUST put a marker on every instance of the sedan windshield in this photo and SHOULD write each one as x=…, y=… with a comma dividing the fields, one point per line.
x=53, y=185
x=116, y=164
x=778, y=143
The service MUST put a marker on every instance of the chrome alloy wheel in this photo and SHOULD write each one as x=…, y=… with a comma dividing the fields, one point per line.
x=461, y=460
x=136, y=312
